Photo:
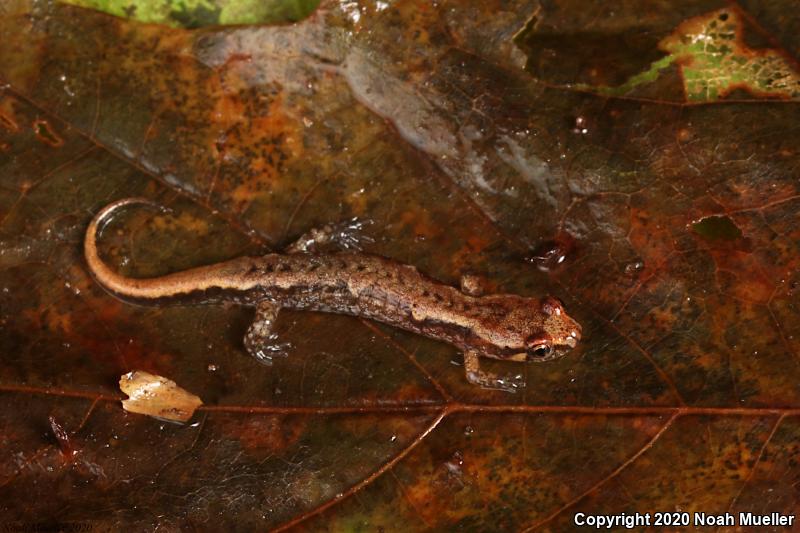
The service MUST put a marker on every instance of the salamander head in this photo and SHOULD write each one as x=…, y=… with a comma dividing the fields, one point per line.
x=559, y=334
x=531, y=329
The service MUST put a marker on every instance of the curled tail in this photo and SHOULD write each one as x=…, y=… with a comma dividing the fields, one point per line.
x=117, y=284
x=199, y=284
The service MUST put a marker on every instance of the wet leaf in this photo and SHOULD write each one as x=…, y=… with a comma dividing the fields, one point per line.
x=714, y=60
x=476, y=138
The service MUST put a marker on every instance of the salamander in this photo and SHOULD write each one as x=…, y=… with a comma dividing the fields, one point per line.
x=498, y=326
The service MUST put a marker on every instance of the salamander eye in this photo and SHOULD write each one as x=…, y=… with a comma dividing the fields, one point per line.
x=539, y=346
x=540, y=350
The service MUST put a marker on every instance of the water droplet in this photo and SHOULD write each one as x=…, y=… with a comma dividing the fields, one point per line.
x=394, y=438
x=454, y=464
x=634, y=267
x=551, y=254
x=212, y=367
x=469, y=430
x=580, y=126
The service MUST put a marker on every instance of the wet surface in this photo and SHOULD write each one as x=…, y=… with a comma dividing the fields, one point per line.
x=668, y=230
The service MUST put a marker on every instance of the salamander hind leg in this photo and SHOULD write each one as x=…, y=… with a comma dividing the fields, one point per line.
x=260, y=341
x=488, y=380
x=337, y=236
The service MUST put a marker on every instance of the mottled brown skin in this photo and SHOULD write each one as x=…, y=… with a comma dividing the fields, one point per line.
x=500, y=326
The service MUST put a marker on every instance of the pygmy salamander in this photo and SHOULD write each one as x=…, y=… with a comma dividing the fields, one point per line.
x=500, y=326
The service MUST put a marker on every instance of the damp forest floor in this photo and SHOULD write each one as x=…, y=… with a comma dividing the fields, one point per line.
x=638, y=162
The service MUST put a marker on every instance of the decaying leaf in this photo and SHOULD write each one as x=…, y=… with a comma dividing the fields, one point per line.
x=198, y=13
x=157, y=396
x=713, y=57
x=537, y=143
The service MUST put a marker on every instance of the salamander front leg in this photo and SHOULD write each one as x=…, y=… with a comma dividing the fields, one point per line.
x=260, y=341
x=473, y=285
x=337, y=236
x=488, y=380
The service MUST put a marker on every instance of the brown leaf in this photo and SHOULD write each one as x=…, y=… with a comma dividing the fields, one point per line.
x=474, y=136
